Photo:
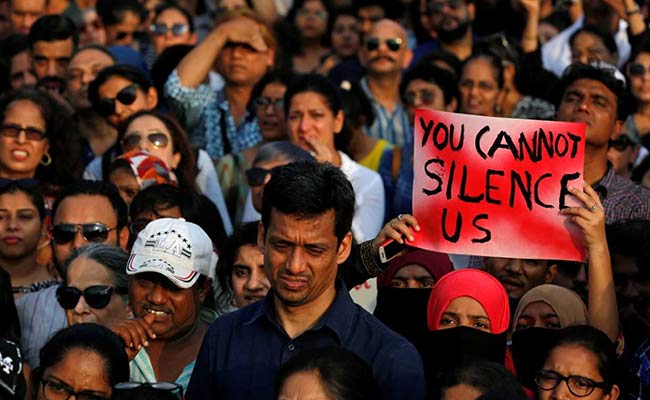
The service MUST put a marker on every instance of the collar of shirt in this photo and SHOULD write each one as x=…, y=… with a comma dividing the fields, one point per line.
x=364, y=85
x=337, y=317
x=224, y=105
x=606, y=181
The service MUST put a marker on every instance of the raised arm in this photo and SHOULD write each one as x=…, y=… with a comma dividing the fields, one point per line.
x=603, y=311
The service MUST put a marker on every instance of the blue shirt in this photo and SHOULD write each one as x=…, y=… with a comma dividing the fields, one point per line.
x=242, y=351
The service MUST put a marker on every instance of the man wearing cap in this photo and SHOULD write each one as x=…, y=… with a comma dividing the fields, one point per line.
x=170, y=270
x=307, y=211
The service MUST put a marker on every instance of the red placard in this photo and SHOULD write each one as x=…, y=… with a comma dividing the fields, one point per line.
x=494, y=186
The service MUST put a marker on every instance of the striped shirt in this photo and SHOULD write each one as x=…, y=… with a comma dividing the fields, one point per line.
x=40, y=317
x=201, y=111
x=393, y=127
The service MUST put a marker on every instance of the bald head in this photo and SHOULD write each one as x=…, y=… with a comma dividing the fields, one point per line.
x=385, y=50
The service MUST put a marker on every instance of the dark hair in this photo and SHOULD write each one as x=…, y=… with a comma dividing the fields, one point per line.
x=186, y=170
x=165, y=64
x=632, y=239
x=640, y=170
x=597, y=343
x=631, y=102
x=320, y=85
x=65, y=145
x=245, y=235
x=605, y=76
x=445, y=57
x=606, y=37
x=281, y=150
x=356, y=105
x=485, y=376
x=91, y=337
x=282, y=76
x=307, y=189
x=127, y=72
x=343, y=374
x=173, y=6
x=112, y=258
x=54, y=27
x=494, y=61
x=112, y=12
x=96, y=188
x=432, y=74
x=10, y=327
x=33, y=193
x=390, y=10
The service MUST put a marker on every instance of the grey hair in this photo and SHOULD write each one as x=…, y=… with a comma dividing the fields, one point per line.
x=111, y=257
x=281, y=150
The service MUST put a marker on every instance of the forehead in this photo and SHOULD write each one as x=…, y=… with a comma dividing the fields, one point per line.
x=587, y=39
x=83, y=268
x=479, y=68
x=146, y=123
x=29, y=5
x=308, y=100
x=420, y=84
x=643, y=57
x=412, y=270
x=371, y=11
x=590, y=86
x=91, y=57
x=274, y=88
x=55, y=48
x=303, y=228
x=16, y=200
x=23, y=109
x=386, y=28
x=85, y=208
x=538, y=308
x=171, y=15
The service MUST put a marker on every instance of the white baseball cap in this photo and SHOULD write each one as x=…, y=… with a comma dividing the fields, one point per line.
x=175, y=248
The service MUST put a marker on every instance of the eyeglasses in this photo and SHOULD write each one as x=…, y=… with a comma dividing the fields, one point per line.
x=94, y=232
x=53, y=390
x=638, y=70
x=96, y=297
x=303, y=12
x=393, y=44
x=157, y=138
x=263, y=102
x=435, y=7
x=255, y=176
x=175, y=29
x=166, y=386
x=621, y=143
x=426, y=97
x=578, y=385
x=126, y=96
x=13, y=131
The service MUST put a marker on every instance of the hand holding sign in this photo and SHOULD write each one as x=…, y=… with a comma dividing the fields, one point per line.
x=590, y=218
x=495, y=186
x=396, y=229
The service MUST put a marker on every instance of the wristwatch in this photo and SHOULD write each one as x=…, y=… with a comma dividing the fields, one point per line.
x=633, y=10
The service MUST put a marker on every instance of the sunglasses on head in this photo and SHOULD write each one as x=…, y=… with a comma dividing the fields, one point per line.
x=96, y=297
x=436, y=7
x=255, y=176
x=95, y=232
x=125, y=96
x=637, y=69
x=621, y=143
x=393, y=44
x=175, y=29
x=426, y=97
x=157, y=138
x=13, y=131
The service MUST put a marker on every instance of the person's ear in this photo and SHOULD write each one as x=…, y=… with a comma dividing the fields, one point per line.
x=205, y=289
x=408, y=57
x=123, y=238
x=151, y=98
x=453, y=104
x=551, y=271
x=471, y=11
x=270, y=57
x=261, y=235
x=192, y=39
x=339, y=118
x=345, y=247
x=616, y=132
x=176, y=159
x=613, y=393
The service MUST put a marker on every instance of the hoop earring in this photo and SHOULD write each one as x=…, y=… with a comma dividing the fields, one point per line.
x=46, y=160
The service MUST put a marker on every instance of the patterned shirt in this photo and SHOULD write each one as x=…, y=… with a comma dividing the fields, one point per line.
x=623, y=199
x=641, y=371
x=393, y=127
x=202, y=112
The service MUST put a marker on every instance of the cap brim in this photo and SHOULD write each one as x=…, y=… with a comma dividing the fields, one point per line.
x=139, y=263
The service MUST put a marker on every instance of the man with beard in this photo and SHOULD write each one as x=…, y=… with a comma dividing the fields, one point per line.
x=85, y=212
x=518, y=275
x=384, y=54
x=450, y=22
x=52, y=40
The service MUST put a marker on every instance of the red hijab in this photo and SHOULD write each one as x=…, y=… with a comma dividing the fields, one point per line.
x=474, y=283
x=438, y=264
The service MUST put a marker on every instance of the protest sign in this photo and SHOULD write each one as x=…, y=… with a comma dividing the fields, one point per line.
x=495, y=186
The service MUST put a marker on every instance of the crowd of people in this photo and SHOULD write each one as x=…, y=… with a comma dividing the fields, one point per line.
x=194, y=193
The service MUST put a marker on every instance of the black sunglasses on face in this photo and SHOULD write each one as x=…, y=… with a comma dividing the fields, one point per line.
x=13, y=131
x=175, y=29
x=621, y=143
x=95, y=232
x=393, y=44
x=96, y=297
x=164, y=386
x=157, y=138
x=25, y=184
x=125, y=96
x=578, y=385
x=255, y=176
x=637, y=69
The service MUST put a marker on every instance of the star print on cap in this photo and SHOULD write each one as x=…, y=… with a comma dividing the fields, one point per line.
x=175, y=248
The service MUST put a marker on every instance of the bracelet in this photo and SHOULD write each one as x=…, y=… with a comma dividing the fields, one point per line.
x=634, y=10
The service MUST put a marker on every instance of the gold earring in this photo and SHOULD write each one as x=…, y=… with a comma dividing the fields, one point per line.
x=46, y=160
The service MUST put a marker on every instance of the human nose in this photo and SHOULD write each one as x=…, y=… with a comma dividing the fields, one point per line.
x=256, y=281
x=514, y=266
x=561, y=391
x=22, y=136
x=87, y=77
x=12, y=223
x=121, y=109
x=157, y=294
x=81, y=307
x=79, y=240
x=305, y=124
x=296, y=262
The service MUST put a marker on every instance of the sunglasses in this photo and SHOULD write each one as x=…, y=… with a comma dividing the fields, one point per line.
x=637, y=70
x=175, y=29
x=621, y=143
x=393, y=44
x=95, y=232
x=263, y=102
x=164, y=386
x=157, y=138
x=437, y=6
x=13, y=131
x=96, y=297
x=426, y=97
x=125, y=96
x=255, y=176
